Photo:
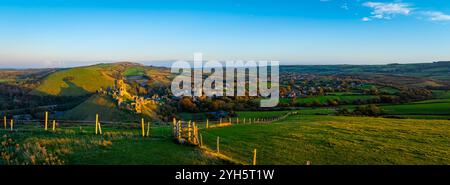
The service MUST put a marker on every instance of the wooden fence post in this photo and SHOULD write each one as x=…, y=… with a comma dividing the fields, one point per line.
x=218, y=146
x=244, y=120
x=207, y=123
x=195, y=133
x=54, y=125
x=46, y=120
x=189, y=131
x=12, y=124
x=143, y=127
x=254, y=156
x=100, y=128
x=179, y=130
x=4, y=121
x=174, y=127
x=96, y=123
x=148, y=129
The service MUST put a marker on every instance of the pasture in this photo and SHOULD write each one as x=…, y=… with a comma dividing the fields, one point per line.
x=30, y=144
x=134, y=71
x=347, y=98
x=74, y=82
x=427, y=107
x=294, y=140
x=336, y=140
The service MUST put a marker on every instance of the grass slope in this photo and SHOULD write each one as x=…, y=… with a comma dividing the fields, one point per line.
x=104, y=106
x=337, y=140
x=75, y=81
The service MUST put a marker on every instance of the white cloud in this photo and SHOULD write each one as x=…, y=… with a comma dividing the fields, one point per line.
x=388, y=10
x=366, y=19
x=437, y=16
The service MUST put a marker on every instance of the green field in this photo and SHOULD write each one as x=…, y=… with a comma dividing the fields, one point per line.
x=389, y=90
x=294, y=140
x=134, y=71
x=428, y=107
x=441, y=94
x=261, y=114
x=271, y=114
x=70, y=145
x=349, y=98
x=337, y=140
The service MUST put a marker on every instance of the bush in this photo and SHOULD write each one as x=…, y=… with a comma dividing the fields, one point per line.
x=368, y=110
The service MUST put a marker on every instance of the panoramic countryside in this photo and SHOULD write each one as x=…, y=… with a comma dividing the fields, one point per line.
x=124, y=113
x=201, y=85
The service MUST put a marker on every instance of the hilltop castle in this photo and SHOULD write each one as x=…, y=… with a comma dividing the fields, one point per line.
x=126, y=100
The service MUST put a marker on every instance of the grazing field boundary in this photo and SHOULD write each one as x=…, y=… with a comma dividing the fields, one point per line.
x=101, y=134
x=183, y=132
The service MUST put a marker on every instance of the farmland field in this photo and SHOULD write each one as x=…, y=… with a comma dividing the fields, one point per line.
x=337, y=140
x=261, y=114
x=428, y=107
x=296, y=139
x=441, y=94
x=72, y=145
x=134, y=71
x=269, y=114
x=350, y=98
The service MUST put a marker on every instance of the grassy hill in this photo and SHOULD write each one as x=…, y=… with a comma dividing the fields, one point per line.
x=85, y=80
x=435, y=70
x=75, y=81
x=336, y=140
x=104, y=106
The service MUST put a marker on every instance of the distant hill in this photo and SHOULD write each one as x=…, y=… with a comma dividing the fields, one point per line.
x=86, y=80
x=435, y=70
x=75, y=81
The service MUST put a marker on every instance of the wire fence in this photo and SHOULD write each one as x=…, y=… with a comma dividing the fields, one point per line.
x=228, y=145
x=237, y=149
x=87, y=127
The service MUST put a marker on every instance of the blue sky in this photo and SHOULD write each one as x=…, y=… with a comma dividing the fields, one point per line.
x=57, y=33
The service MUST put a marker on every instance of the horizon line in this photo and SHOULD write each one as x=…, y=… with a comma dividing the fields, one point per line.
x=157, y=63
